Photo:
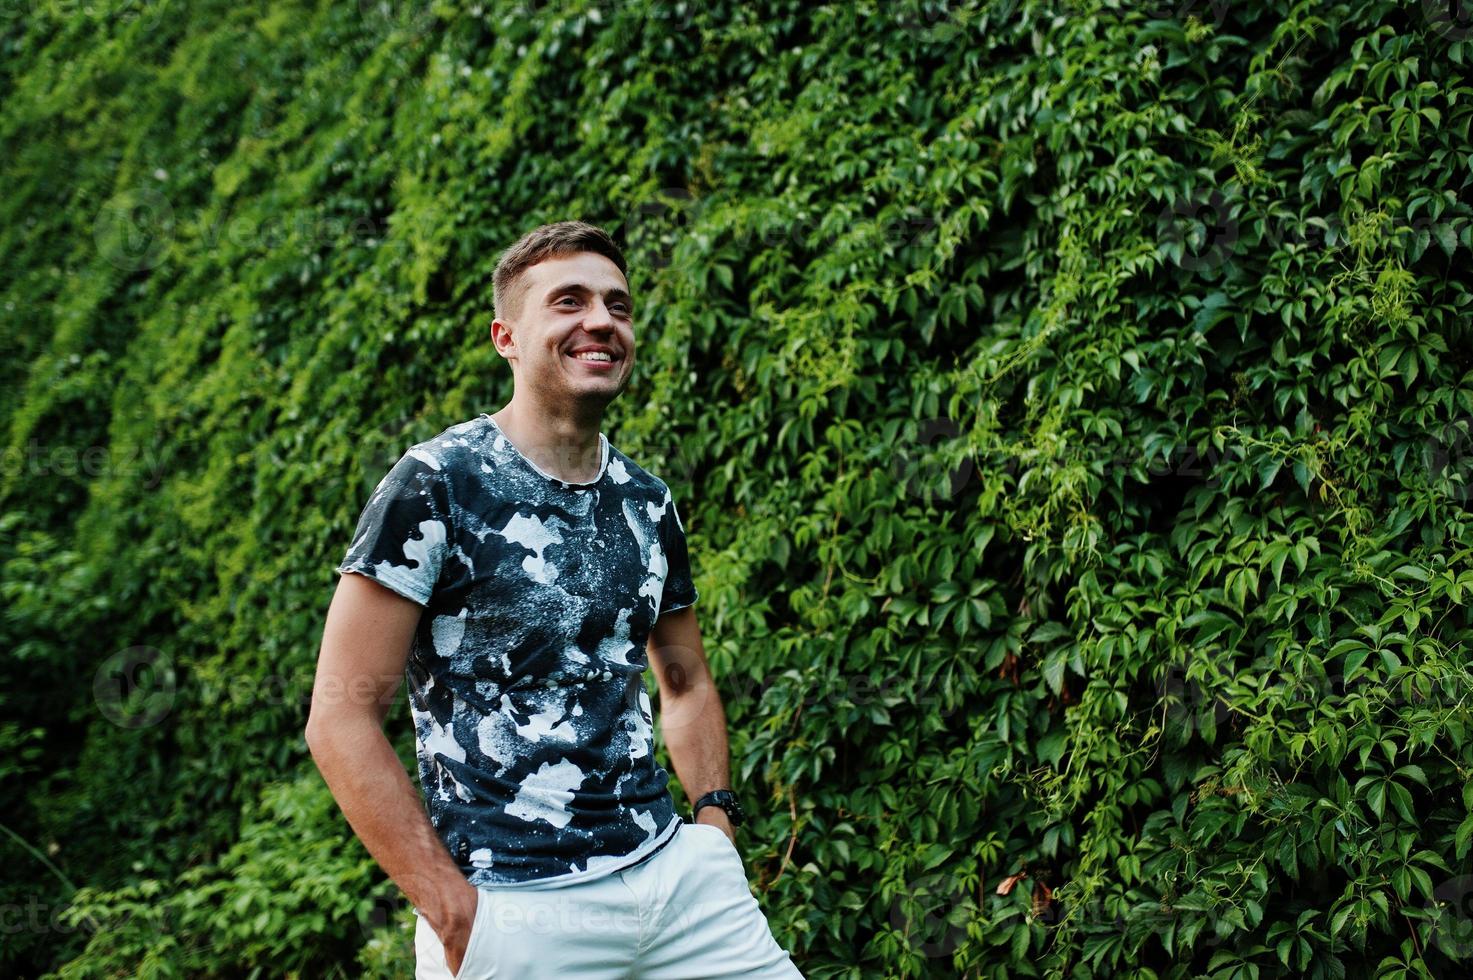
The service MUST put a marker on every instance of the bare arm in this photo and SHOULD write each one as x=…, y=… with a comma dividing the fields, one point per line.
x=365, y=644
x=692, y=718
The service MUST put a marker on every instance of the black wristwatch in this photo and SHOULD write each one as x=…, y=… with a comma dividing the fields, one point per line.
x=723, y=798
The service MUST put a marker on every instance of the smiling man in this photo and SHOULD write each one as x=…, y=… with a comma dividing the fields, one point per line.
x=521, y=573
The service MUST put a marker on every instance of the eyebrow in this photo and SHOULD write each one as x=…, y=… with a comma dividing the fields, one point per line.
x=578, y=287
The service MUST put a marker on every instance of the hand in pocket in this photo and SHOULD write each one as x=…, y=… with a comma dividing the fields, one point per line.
x=461, y=930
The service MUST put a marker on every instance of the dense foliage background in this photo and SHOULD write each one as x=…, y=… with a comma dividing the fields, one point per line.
x=1069, y=403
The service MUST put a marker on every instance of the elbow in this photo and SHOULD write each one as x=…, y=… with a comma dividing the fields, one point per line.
x=325, y=724
x=315, y=729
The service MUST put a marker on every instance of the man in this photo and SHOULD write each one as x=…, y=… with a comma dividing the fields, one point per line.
x=517, y=569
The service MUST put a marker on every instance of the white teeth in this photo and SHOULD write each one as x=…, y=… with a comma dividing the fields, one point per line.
x=593, y=356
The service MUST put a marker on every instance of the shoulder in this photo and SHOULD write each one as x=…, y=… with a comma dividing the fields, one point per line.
x=632, y=478
x=451, y=454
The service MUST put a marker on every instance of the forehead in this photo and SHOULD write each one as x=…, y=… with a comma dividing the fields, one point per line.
x=589, y=269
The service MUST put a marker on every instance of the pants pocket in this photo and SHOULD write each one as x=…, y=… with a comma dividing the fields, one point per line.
x=470, y=966
x=432, y=961
x=720, y=834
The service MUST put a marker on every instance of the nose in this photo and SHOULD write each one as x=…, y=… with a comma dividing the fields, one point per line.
x=598, y=316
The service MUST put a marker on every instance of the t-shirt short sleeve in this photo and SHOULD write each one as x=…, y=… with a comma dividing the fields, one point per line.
x=402, y=534
x=680, y=589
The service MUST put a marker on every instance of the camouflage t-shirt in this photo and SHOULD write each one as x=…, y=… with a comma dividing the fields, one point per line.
x=533, y=728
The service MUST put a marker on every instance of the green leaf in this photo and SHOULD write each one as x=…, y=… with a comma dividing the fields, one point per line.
x=1446, y=238
x=1048, y=632
x=1053, y=670
x=1413, y=772
x=1050, y=748
x=1463, y=837
x=1377, y=798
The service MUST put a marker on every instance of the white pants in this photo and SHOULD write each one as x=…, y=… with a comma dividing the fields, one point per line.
x=686, y=912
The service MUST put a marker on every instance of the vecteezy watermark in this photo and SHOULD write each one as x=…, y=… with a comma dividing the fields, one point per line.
x=678, y=464
x=135, y=687
x=624, y=19
x=930, y=913
x=110, y=10
x=655, y=226
x=1329, y=691
x=37, y=916
x=134, y=229
x=929, y=468
x=406, y=471
x=302, y=690
x=921, y=473
x=675, y=665
x=1450, y=19
x=1448, y=457
x=1452, y=918
x=522, y=915
x=657, y=223
x=1212, y=12
x=397, y=18
x=1189, y=706
x=393, y=898
x=1136, y=925
x=941, y=21
x=1204, y=226
x=856, y=693
x=1198, y=233
x=37, y=460
x=394, y=458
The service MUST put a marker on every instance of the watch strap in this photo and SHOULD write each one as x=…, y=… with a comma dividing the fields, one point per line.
x=723, y=798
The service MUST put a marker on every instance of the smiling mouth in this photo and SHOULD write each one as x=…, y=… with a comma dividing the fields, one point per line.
x=594, y=361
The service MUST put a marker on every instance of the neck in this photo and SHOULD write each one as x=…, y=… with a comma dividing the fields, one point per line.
x=562, y=442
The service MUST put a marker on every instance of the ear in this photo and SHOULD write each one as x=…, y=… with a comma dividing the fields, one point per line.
x=503, y=338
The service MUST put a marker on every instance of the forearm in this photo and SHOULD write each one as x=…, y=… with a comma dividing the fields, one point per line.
x=693, y=724
x=384, y=809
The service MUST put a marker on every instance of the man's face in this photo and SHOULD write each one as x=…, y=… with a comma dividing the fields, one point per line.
x=572, y=303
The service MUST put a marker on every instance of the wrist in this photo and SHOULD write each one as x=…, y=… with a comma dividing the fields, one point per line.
x=713, y=815
x=444, y=904
x=722, y=801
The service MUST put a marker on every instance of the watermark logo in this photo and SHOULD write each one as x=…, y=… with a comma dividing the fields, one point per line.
x=925, y=475
x=34, y=459
x=134, y=229
x=391, y=902
x=97, y=9
x=1198, y=233
x=1448, y=456
x=1189, y=707
x=658, y=222
x=135, y=688
x=1452, y=928
x=930, y=913
x=680, y=469
x=383, y=449
x=939, y=21
x=396, y=18
x=1450, y=19
x=1212, y=12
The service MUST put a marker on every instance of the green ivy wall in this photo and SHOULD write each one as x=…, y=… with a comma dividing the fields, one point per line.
x=1069, y=403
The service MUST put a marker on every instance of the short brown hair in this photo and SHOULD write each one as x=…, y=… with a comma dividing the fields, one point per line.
x=508, y=289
